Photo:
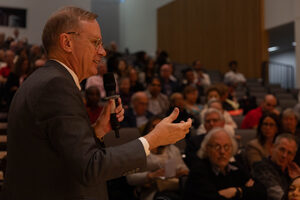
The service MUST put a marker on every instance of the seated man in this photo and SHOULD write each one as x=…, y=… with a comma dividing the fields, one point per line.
x=277, y=171
x=168, y=85
x=213, y=177
x=252, y=118
x=212, y=118
x=233, y=77
x=137, y=115
x=158, y=102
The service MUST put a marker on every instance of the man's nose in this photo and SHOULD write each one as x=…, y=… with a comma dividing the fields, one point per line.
x=101, y=51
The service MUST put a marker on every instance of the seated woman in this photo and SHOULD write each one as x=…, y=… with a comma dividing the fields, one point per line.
x=214, y=177
x=293, y=192
x=190, y=94
x=159, y=158
x=260, y=147
x=212, y=92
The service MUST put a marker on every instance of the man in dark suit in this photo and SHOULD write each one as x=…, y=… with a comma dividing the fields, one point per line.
x=137, y=115
x=52, y=147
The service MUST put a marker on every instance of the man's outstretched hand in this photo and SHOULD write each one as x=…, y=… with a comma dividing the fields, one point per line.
x=167, y=132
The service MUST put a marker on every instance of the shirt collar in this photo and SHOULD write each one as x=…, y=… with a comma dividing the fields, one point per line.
x=74, y=76
x=229, y=168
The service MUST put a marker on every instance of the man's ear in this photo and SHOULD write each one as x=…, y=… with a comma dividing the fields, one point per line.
x=65, y=42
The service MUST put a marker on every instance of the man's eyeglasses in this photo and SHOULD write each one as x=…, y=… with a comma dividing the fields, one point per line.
x=218, y=147
x=96, y=42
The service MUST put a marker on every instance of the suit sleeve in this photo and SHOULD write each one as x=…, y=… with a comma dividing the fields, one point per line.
x=62, y=117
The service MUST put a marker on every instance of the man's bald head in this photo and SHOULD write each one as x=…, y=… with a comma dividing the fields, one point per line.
x=269, y=103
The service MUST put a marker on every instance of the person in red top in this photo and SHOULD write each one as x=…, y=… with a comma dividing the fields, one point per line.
x=9, y=59
x=252, y=118
x=92, y=96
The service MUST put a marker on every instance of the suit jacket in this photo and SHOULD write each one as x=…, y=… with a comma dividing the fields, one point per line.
x=52, y=149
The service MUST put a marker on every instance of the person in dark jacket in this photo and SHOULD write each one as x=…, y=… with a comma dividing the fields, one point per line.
x=214, y=177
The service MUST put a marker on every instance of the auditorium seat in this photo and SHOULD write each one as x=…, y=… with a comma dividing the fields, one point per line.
x=246, y=136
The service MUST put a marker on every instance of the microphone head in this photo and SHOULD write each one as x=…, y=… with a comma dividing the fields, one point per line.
x=109, y=84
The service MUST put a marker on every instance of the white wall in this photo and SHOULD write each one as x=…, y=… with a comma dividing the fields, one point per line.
x=138, y=24
x=108, y=12
x=38, y=11
x=278, y=12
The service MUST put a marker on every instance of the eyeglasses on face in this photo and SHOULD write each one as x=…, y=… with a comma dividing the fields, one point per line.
x=212, y=120
x=96, y=42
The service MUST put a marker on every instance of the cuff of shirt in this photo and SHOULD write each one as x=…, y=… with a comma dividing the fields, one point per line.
x=146, y=145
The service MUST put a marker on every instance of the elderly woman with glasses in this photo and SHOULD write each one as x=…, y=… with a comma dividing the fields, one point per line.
x=260, y=147
x=215, y=177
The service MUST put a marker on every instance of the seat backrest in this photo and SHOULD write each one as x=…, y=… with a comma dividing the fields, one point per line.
x=238, y=120
x=246, y=135
x=126, y=135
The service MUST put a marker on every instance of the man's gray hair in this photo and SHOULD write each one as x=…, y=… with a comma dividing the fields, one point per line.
x=213, y=110
x=211, y=101
x=288, y=136
x=290, y=112
x=136, y=96
x=202, y=151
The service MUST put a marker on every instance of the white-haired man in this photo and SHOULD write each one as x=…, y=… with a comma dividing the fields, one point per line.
x=214, y=177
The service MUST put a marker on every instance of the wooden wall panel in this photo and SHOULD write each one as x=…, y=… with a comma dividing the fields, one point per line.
x=215, y=31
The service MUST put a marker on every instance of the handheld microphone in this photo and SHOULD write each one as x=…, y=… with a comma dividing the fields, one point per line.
x=110, y=89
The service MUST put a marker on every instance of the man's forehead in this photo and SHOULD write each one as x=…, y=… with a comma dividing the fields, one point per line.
x=213, y=115
x=220, y=138
x=288, y=144
x=90, y=27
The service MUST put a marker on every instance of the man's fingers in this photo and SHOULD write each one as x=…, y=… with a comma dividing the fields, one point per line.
x=172, y=116
x=106, y=109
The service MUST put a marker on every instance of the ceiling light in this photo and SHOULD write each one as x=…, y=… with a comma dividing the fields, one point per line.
x=271, y=49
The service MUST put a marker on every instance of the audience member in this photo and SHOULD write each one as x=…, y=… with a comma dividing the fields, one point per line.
x=158, y=102
x=191, y=80
x=97, y=80
x=177, y=100
x=163, y=161
x=294, y=190
x=135, y=85
x=289, y=121
x=252, y=118
x=92, y=96
x=212, y=118
x=277, y=171
x=146, y=75
x=125, y=93
x=214, y=177
x=190, y=94
x=16, y=77
x=233, y=77
x=260, y=147
x=122, y=69
x=212, y=92
x=137, y=115
x=202, y=78
x=9, y=59
x=168, y=85
x=229, y=122
x=228, y=104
